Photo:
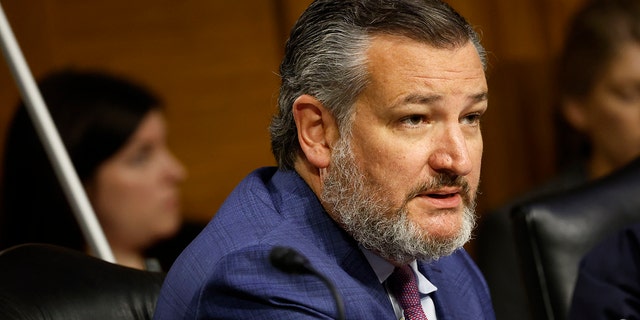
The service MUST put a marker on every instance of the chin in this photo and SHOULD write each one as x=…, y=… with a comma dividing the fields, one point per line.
x=169, y=228
x=442, y=226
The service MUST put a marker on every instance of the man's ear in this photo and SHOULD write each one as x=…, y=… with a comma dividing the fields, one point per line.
x=575, y=113
x=317, y=130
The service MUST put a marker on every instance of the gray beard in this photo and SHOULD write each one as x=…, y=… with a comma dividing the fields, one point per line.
x=371, y=219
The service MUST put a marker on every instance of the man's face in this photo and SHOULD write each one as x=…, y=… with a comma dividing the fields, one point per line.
x=404, y=183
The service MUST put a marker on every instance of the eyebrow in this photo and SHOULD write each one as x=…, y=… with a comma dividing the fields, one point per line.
x=428, y=99
x=420, y=99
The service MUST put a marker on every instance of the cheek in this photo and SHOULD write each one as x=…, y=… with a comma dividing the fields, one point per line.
x=612, y=117
x=607, y=112
x=620, y=138
x=382, y=161
x=111, y=202
x=476, y=156
x=115, y=199
x=616, y=125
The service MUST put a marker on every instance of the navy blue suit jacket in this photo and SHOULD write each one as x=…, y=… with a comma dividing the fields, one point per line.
x=225, y=272
x=608, y=284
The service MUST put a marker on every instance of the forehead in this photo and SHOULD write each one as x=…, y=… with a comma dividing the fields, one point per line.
x=400, y=67
x=390, y=55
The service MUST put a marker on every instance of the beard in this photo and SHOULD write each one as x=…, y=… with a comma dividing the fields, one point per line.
x=366, y=213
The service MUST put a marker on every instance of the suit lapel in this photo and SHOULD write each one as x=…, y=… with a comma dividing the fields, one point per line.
x=434, y=274
x=456, y=295
x=357, y=266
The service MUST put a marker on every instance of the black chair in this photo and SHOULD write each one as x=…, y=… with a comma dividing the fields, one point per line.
x=39, y=281
x=553, y=233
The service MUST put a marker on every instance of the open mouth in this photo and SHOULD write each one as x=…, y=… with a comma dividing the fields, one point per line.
x=441, y=196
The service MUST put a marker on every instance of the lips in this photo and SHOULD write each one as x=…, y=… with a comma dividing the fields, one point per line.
x=443, y=199
x=172, y=201
x=441, y=196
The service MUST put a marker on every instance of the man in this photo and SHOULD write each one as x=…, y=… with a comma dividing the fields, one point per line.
x=379, y=148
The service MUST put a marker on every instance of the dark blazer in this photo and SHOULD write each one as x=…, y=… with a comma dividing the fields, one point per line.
x=225, y=272
x=608, y=285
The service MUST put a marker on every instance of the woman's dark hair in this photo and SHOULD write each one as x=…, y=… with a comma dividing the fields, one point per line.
x=594, y=38
x=95, y=114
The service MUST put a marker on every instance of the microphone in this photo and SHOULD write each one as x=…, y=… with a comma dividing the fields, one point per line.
x=291, y=261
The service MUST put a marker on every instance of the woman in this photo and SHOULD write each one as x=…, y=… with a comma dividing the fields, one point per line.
x=115, y=134
x=598, y=132
x=598, y=76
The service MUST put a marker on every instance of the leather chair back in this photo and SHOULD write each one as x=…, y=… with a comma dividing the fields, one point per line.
x=40, y=281
x=554, y=232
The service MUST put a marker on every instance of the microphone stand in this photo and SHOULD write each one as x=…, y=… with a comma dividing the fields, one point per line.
x=290, y=261
x=53, y=145
x=334, y=292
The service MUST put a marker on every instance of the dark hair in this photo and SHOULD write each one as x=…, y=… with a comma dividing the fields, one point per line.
x=595, y=34
x=95, y=114
x=325, y=55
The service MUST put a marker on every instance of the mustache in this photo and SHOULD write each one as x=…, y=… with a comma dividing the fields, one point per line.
x=442, y=180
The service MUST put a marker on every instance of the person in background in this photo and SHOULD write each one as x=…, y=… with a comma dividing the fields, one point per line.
x=599, y=81
x=608, y=284
x=379, y=148
x=115, y=134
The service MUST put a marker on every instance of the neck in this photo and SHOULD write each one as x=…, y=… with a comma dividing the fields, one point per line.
x=311, y=175
x=598, y=167
x=129, y=258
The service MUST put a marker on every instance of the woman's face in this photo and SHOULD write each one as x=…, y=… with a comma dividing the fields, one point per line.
x=610, y=114
x=135, y=192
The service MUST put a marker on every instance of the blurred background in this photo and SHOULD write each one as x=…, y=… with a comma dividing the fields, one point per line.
x=215, y=63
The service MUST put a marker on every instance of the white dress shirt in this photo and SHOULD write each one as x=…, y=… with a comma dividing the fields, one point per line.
x=383, y=270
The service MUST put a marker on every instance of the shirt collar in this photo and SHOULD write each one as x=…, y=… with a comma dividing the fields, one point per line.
x=383, y=270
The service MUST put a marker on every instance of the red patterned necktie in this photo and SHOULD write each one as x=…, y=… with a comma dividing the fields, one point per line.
x=402, y=283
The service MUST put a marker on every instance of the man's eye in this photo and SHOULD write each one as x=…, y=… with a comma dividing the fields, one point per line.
x=413, y=120
x=472, y=119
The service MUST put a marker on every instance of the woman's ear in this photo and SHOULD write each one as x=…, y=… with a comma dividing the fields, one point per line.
x=317, y=130
x=575, y=113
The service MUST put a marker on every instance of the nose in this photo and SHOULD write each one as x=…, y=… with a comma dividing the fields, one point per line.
x=451, y=152
x=175, y=171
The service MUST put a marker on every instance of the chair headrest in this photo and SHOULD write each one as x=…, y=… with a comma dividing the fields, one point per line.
x=555, y=231
x=40, y=281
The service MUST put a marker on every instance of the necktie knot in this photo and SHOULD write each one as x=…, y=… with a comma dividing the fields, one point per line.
x=404, y=287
